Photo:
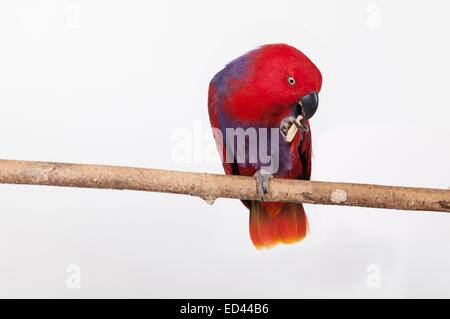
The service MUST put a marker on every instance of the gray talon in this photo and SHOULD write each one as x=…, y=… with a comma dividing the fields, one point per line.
x=262, y=183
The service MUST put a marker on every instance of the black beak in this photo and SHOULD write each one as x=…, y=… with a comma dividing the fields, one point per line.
x=308, y=104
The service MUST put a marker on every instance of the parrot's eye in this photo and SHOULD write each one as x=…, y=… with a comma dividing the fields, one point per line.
x=291, y=80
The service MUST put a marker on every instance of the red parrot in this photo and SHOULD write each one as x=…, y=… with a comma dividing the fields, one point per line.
x=256, y=98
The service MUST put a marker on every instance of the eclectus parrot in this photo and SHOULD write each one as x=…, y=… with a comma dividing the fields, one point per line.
x=261, y=95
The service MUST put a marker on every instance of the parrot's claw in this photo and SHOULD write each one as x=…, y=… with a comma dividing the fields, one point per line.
x=262, y=183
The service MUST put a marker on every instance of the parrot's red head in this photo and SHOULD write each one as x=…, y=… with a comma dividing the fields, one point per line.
x=268, y=83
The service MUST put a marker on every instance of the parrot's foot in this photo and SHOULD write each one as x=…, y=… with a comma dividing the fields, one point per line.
x=262, y=182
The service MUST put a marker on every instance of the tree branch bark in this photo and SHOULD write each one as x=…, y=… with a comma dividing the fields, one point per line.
x=212, y=186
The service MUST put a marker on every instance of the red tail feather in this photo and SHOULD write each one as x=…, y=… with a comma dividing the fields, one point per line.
x=290, y=225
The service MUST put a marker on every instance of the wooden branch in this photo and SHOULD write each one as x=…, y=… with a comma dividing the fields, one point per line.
x=212, y=186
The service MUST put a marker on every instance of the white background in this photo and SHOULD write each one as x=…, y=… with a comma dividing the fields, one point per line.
x=117, y=82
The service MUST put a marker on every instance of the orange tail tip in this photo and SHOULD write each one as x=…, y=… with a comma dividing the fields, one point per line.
x=290, y=225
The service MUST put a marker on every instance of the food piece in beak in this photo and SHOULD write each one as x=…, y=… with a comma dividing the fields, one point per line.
x=286, y=124
x=290, y=126
x=304, y=109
